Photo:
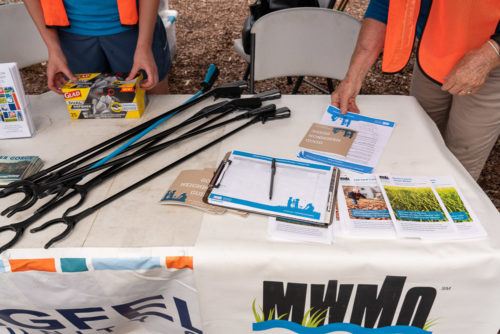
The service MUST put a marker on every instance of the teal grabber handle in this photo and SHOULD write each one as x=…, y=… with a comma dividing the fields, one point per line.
x=208, y=82
x=210, y=78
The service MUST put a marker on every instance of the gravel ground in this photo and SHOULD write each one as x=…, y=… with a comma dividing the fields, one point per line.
x=205, y=31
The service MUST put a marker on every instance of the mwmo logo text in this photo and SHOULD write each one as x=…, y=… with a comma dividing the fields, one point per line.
x=334, y=308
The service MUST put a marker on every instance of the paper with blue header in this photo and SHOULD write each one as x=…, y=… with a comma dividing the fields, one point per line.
x=416, y=208
x=367, y=148
x=302, y=191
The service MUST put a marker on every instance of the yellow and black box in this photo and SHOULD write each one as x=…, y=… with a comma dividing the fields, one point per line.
x=104, y=95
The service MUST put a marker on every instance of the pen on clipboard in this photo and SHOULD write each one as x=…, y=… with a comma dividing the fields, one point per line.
x=273, y=171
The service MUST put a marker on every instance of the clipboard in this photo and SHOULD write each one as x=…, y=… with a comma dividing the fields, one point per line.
x=302, y=192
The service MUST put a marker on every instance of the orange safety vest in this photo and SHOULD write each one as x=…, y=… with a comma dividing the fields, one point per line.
x=452, y=29
x=55, y=15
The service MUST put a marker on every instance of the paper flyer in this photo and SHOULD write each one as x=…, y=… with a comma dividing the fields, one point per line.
x=466, y=222
x=188, y=189
x=15, y=118
x=372, y=136
x=14, y=168
x=363, y=208
x=415, y=207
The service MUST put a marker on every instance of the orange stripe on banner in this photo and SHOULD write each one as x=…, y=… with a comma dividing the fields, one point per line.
x=33, y=264
x=179, y=262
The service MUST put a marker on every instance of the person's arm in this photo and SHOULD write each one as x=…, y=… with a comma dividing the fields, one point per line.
x=472, y=70
x=368, y=47
x=57, y=65
x=143, y=56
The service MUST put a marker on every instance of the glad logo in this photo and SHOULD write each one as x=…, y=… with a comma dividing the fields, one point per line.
x=83, y=76
x=72, y=95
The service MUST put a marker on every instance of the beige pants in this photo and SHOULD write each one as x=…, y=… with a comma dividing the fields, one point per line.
x=470, y=125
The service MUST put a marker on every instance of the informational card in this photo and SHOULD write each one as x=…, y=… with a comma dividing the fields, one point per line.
x=188, y=189
x=371, y=138
x=328, y=139
x=415, y=207
x=14, y=168
x=363, y=210
x=466, y=222
x=15, y=118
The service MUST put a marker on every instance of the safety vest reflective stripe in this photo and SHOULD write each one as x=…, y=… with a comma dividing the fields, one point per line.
x=400, y=34
x=452, y=29
x=55, y=15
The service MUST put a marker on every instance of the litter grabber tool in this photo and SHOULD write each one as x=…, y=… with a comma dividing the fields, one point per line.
x=246, y=103
x=240, y=104
x=153, y=149
x=230, y=90
x=212, y=75
x=71, y=221
x=82, y=190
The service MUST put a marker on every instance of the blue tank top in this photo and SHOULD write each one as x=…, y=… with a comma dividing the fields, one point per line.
x=93, y=17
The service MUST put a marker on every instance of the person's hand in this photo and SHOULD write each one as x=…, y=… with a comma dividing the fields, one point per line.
x=471, y=71
x=344, y=97
x=57, y=69
x=144, y=60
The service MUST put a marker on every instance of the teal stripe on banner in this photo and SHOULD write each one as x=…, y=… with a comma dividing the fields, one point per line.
x=73, y=265
x=126, y=263
x=2, y=267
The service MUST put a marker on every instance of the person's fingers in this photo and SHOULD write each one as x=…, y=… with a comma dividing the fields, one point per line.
x=60, y=80
x=344, y=104
x=456, y=89
x=67, y=72
x=446, y=85
x=353, y=107
x=152, y=78
x=133, y=72
x=53, y=83
x=451, y=86
x=335, y=101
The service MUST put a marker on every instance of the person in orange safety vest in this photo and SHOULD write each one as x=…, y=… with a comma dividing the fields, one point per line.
x=456, y=77
x=103, y=36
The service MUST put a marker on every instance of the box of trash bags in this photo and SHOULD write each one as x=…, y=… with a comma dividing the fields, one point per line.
x=104, y=95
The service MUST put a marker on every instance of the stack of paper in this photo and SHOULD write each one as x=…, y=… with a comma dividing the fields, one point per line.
x=292, y=190
x=15, y=118
x=405, y=206
x=350, y=141
x=14, y=168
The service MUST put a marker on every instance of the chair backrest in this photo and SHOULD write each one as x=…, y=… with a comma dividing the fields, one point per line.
x=326, y=3
x=20, y=40
x=303, y=42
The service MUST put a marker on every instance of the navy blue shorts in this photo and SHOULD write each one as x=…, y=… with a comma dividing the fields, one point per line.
x=112, y=53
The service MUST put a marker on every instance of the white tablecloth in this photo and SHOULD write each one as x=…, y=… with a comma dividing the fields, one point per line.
x=235, y=261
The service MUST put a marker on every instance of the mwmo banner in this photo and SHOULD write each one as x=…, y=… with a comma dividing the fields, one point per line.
x=379, y=308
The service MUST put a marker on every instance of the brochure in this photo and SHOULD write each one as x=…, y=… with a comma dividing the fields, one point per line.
x=466, y=222
x=363, y=208
x=15, y=118
x=188, y=189
x=14, y=168
x=363, y=155
x=415, y=207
